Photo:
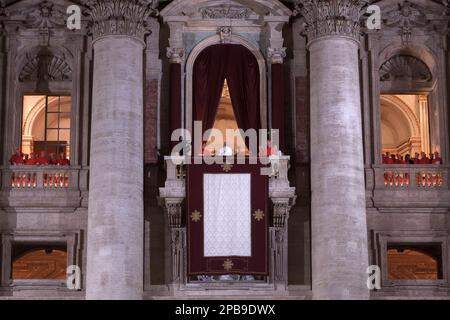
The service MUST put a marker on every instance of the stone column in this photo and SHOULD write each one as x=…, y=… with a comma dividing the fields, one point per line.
x=175, y=54
x=338, y=218
x=116, y=214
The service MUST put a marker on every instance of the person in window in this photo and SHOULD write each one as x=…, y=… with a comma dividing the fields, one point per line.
x=424, y=159
x=416, y=158
x=53, y=159
x=17, y=158
x=62, y=160
x=225, y=151
x=43, y=159
x=32, y=160
x=437, y=158
x=205, y=151
x=408, y=159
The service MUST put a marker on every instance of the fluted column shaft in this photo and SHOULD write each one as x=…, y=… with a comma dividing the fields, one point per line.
x=116, y=215
x=338, y=217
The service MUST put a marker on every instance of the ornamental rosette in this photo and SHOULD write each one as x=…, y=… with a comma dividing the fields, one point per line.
x=331, y=17
x=120, y=17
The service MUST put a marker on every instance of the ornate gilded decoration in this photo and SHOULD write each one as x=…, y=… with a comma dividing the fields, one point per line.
x=331, y=17
x=196, y=216
x=226, y=167
x=228, y=265
x=120, y=17
x=258, y=215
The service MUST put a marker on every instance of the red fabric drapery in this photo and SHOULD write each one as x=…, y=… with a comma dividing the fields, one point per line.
x=278, y=103
x=240, y=67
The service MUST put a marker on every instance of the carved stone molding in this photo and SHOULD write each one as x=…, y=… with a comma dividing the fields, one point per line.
x=404, y=67
x=225, y=12
x=46, y=66
x=225, y=34
x=406, y=16
x=174, y=211
x=120, y=17
x=331, y=17
x=276, y=55
x=175, y=55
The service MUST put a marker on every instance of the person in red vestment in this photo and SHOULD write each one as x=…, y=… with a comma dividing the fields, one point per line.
x=424, y=159
x=437, y=158
x=62, y=160
x=53, y=159
x=31, y=161
x=17, y=158
x=205, y=151
x=416, y=158
x=43, y=159
x=400, y=160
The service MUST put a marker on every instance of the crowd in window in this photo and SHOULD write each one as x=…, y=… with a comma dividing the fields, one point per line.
x=422, y=158
x=42, y=158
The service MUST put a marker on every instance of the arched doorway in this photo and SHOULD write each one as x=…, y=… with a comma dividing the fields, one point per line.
x=226, y=92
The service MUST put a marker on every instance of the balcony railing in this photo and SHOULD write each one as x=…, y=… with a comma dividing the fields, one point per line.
x=400, y=186
x=411, y=177
x=40, y=178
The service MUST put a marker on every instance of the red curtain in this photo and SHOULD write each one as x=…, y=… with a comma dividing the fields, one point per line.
x=175, y=99
x=278, y=103
x=240, y=67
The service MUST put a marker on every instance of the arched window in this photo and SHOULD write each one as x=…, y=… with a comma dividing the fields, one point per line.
x=39, y=262
x=46, y=122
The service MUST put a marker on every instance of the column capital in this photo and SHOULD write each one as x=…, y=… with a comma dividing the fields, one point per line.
x=331, y=17
x=120, y=17
x=175, y=55
x=276, y=55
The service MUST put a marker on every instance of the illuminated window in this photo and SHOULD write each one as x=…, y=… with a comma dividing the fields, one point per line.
x=46, y=124
x=405, y=125
x=39, y=262
x=418, y=262
x=226, y=119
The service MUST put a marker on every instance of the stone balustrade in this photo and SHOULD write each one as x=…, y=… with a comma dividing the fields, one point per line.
x=25, y=186
x=401, y=186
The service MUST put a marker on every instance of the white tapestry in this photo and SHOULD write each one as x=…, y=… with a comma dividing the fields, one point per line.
x=227, y=216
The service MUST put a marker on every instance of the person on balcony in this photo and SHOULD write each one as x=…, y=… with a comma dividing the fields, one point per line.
x=437, y=158
x=17, y=158
x=416, y=159
x=53, y=159
x=225, y=151
x=43, y=159
x=408, y=159
x=62, y=160
x=31, y=161
x=400, y=159
x=424, y=159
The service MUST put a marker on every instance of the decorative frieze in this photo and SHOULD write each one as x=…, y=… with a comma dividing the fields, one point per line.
x=331, y=17
x=225, y=12
x=120, y=17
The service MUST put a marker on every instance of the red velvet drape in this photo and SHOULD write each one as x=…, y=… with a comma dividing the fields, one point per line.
x=240, y=67
x=278, y=103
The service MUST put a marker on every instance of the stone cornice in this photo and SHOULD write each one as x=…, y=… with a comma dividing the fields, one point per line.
x=120, y=17
x=331, y=17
